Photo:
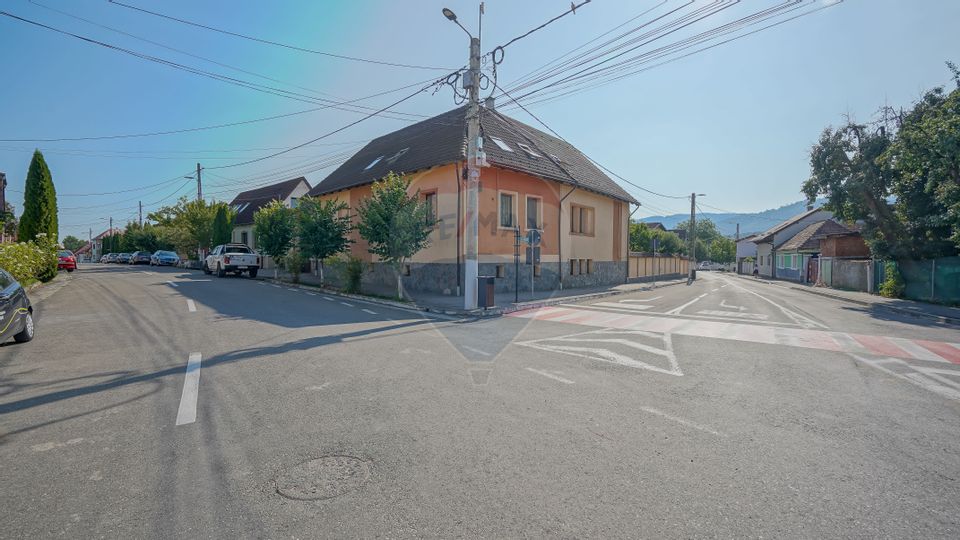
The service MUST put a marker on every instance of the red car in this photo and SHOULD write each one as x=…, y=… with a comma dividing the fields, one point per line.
x=66, y=260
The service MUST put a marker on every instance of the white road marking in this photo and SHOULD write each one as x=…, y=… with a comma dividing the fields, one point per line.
x=191, y=306
x=735, y=314
x=642, y=300
x=272, y=285
x=172, y=284
x=346, y=304
x=292, y=289
x=311, y=294
x=677, y=310
x=261, y=283
x=146, y=272
x=474, y=350
x=715, y=290
x=319, y=387
x=801, y=320
x=328, y=298
x=723, y=303
x=549, y=375
x=368, y=311
x=634, y=307
x=913, y=377
x=582, y=349
x=187, y=414
x=681, y=421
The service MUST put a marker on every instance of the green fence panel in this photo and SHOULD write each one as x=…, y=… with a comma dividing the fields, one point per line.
x=946, y=280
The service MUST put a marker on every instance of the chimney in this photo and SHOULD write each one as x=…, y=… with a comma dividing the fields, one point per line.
x=489, y=103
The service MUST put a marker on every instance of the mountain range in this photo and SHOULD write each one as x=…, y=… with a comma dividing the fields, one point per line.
x=749, y=222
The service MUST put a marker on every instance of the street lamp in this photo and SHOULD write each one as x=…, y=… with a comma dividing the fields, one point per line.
x=451, y=16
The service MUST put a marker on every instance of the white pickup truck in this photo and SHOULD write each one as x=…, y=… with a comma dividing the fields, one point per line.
x=234, y=258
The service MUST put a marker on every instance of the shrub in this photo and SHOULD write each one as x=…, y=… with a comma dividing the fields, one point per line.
x=30, y=261
x=893, y=285
x=293, y=262
x=354, y=270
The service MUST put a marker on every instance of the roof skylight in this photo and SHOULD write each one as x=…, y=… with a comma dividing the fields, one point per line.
x=528, y=150
x=499, y=142
x=372, y=163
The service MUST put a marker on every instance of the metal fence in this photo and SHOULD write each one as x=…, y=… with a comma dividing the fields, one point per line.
x=934, y=280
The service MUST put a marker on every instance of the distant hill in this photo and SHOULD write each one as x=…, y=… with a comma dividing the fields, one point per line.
x=749, y=223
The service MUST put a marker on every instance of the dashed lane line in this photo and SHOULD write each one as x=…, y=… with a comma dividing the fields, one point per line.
x=680, y=421
x=678, y=309
x=172, y=284
x=371, y=312
x=346, y=304
x=187, y=413
x=191, y=306
x=549, y=375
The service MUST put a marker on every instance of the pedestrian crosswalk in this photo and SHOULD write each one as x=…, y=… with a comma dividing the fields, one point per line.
x=907, y=349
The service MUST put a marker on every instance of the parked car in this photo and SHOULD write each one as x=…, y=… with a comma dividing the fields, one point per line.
x=123, y=258
x=140, y=257
x=111, y=258
x=16, y=313
x=66, y=260
x=164, y=258
x=233, y=258
x=708, y=265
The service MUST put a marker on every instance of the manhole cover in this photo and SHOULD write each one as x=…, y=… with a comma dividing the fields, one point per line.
x=323, y=478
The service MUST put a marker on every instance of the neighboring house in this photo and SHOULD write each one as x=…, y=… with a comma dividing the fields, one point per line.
x=798, y=258
x=533, y=181
x=655, y=225
x=769, y=241
x=682, y=233
x=97, y=248
x=845, y=261
x=247, y=203
x=746, y=249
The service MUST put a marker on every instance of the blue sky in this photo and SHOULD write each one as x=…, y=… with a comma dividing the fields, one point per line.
x=735, y=122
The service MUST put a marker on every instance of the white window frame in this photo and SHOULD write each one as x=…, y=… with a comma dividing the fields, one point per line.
x=539, y=200
x=516, y=213
x=499, y=142
x=529, y=151
x=372, y=163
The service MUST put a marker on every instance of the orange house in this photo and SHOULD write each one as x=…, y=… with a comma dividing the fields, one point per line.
x=533, y=181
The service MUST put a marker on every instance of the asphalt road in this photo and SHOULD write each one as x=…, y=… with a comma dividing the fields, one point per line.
x=164, y=403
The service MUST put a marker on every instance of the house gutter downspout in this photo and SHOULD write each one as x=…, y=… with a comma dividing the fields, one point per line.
x=459, y=224
x=626, y=276
x=560, y=237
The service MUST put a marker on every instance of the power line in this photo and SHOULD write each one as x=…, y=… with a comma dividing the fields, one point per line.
x=207, y=74
x=557, y=135
x=276, y=43
x=573, y=9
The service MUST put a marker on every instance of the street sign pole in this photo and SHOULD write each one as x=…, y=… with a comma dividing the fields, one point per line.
x=516, y=264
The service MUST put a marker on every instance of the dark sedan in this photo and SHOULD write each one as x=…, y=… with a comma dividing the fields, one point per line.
x=124, y=258
x=16, y=313
x=140, y=257
x=164, y=258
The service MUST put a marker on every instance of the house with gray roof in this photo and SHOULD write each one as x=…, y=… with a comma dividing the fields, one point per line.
x=248, y=202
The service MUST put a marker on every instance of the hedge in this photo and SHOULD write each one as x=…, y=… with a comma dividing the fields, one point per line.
x=30, y=261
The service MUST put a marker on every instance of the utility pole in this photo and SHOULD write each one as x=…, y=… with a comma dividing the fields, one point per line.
x=141, y=213
x=111, y=235
x=471, y=83
x=692, y=261
x=199, y=185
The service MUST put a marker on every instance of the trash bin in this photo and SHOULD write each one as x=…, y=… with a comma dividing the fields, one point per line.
x=485, y=286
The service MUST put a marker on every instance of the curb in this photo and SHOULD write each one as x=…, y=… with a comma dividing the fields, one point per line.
x=939, y=318
x=360, y=298
x=456, y=315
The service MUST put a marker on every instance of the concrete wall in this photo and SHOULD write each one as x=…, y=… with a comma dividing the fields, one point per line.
x=644, y=266
x=852, y=275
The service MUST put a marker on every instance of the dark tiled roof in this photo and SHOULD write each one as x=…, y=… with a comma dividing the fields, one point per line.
x=442, y=140
x=767, y=235
x=249, y=202
x=809, y=237
x=654, y=225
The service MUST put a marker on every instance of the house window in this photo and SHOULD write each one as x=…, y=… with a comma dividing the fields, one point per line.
x=501, y=271
x=431, y=201
x=508, y=210
x=581, y=219
x=534, y=206
x=372, y=163
x=499, y=142
x=588, y=266
x=527, y=150
x=294, y=202
x=574, y=267
x=536, y=270
x=244, y=237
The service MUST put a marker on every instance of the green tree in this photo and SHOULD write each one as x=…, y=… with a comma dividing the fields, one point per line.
x=395, y=224
x=322, y=227
x=10, y=221
x=722, y=250
x=73, y=243
x=275, y=228
x=222, y=227
x=668, y=243
x=39, y=202
x=641, y=237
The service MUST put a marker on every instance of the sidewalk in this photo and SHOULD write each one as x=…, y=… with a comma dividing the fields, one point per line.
x=944, y=314
x=453, y=305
